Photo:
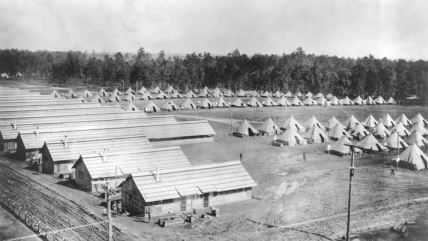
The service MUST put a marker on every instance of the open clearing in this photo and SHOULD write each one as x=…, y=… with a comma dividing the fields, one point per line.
x=294, y=199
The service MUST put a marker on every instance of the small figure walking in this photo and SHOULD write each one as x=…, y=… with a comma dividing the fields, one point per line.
x=392, y=172
x=304, y=156
x=39, y=163
x=241, y=156
x=148, y=214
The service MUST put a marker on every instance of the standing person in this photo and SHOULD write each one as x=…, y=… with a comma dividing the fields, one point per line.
x=304, y=156
x=39, y=163
x=119, y=208
x=241, y=156
x=392, y=172
x=148, y=214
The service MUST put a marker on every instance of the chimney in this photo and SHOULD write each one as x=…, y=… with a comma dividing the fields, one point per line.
x=14, y=124
x=65, y=142
x=105, y=155
x=158, y=175
x=37, y=131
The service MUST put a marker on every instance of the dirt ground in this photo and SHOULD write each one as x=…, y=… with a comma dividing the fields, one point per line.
x=294, y=199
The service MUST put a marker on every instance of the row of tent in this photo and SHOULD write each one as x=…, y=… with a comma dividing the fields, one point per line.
x=144, y=94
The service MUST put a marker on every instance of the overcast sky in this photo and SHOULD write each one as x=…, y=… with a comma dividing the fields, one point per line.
x=388, y=28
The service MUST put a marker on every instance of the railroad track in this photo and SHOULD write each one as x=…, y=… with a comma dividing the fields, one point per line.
x=69, y=220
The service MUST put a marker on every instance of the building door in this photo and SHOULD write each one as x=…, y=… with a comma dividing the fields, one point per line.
x=206, y=200
x=183, y=203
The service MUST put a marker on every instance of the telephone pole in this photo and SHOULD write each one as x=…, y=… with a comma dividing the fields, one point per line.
x=351, y=177
x=109, y=192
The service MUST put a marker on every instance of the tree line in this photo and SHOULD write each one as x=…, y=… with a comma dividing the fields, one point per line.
x=293, y=72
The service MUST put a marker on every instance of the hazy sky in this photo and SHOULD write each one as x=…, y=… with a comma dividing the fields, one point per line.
x=388, y=28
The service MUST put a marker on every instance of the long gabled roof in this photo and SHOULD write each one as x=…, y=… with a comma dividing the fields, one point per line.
x=132, y=161
x=192, y=180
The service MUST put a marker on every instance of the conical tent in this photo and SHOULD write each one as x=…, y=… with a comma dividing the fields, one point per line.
x=347, y=101
x=188, y=105
x=315, y=135
x=283, y=101
x=419, y=128
x=254, y=103
x=82, y=98
x=391, y=101
x=170, y=89
x=204, y=93
x=103, y=93
x=129, y=91
x=359, y=132
x=265, y=94
x=402, y=131
x=381, y=131
x=146, y=96
x=175, y=94
x=87, y=94
x=337, y=132
x=292, y=123
x=221, y=103
x=71, y=94
x=254, y=94
x=413, y=158
x=151, y=107
x=269, y=102
x=247, y=129
x=339, y=147
x=309, y=94
x=358, y=101
x=308, y=101
x=322, y=101
x=269, y=127
x=98, y=99
x=116, y=92
x=370, y=101
x=404, y=120
x=54, y=94
x=190, y=94
x=290, y=137
x=170, y=106
x=370, y=122
x=217, y=93
x=417, y=139
x=241, y=93
x=350, y=122
x=129, y=97
x=420, y=119
x=387, y=121
x=298, y=94
x=114, y=99
x=394, y=141
x=161, y=95
x=329, y=96
x=369, y=143
x=206, y=103
x=311, y=122
x=380, y=101
x=277, y=94
x=143, y=91
x=288, y=95
x=156, y=90
x=334, y=101
x=228, y=93
x=319, y=95
x=332, y=122
x=238, y=103
x=131, y=107
x=296, y=101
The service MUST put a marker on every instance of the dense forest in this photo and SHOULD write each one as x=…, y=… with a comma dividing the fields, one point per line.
x=293, y=72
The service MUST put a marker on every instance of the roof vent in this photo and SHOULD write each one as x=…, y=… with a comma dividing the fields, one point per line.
x=14, y=124
x=158, y=175
x=37, y=131
x=105, y=155
x=65, y=141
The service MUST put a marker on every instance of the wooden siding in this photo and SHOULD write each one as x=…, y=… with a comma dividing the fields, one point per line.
x=82, y=176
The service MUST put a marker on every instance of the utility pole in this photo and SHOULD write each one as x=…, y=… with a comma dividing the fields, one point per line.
x=351, y=177
x=109, y=192
x=230, y=106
